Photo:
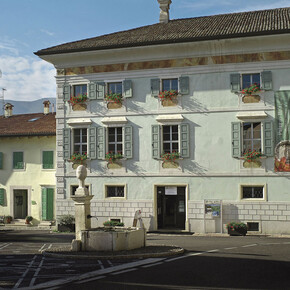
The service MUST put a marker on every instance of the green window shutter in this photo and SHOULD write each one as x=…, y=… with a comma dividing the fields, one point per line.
x=184, y=140
x=101, y=141
x=155, y=141
x=47, y=159
x=92, y=143
x=2, y=196
x=66, y=92
x=44, y=204
x=18, y=160
x=128, y=142
x=127, y=89
x=236, y=139
x=66, y=143
x=92, y=95
x=235, y=82
x=268, y=139
x=1, y=160
x=266, y=80
x=155, y=87
x=50, y=203
x=184, y=85
x=100, y=93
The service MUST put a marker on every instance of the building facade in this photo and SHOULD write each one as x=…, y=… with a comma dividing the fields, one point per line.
x=172, y=156
x=27, y=166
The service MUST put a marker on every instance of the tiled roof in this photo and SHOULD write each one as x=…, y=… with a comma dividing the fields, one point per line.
x=263, y=22
x=36, y=124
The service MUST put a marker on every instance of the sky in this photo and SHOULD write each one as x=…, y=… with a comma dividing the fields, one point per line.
x=27, y=26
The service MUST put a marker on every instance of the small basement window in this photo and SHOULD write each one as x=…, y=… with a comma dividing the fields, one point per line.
x=252, y=192
x=253, y=227
x=74, y=188
x=115, y=191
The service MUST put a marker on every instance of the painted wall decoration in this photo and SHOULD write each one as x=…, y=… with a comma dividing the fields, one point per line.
x=282, y=114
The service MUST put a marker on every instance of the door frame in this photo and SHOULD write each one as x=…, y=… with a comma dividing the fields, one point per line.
x=28, y=188
x=155, y=220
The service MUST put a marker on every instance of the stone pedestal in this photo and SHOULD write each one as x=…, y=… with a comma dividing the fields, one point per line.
x=82, y=210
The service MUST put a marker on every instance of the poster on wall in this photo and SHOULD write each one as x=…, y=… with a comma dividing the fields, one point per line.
x=282, y=116
x=213, y=207
x=170, y=190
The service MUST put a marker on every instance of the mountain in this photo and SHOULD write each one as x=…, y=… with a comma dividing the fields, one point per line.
x=27, y=107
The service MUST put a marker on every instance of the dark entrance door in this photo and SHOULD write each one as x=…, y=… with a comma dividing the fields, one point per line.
x=20, y=203
x=171, y=208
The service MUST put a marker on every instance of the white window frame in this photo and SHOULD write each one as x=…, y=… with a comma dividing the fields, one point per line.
x=252, y=139
x=81, y=143
x=249, y=73
x=170, y=141
x=169, y=78
x=264, y=198
x=115, y=185
x=115, y=143
x=75, y=85
x=114, y=82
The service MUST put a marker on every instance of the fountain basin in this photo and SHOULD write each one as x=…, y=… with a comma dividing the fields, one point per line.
x=113, y=239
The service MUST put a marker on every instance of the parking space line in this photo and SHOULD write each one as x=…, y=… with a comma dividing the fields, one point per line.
x=43, y=246
x=125, y=271
x=231, y=248
x=5, y=245
x=101, y=264
x=246, y=246
x=36, y=272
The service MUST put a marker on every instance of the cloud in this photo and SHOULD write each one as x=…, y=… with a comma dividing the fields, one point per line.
x=26, y=78
x=47, y=32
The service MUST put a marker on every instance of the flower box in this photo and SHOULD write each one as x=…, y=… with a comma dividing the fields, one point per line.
x=78, y=159
x=79, y=107
x=114, y=100
x=78, y=102
x=114, y=105
x=249, y=99
x=170, y=164
x=169, y=103
x=114, y=160
x=252, y=164
x=168, y=98
x=237, y=229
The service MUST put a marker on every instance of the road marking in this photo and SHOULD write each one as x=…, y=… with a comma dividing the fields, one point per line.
x=36, y=272
x=101, y=264
x=110, y=263
x=286, y=243
x=196, y=254
x=212, y=251
x=89, y=280
x=252, y=245
x=42, y=248
x=125, y=271
x=5, y=246
x=231, y=248
x=25, y=273
x=152, y=265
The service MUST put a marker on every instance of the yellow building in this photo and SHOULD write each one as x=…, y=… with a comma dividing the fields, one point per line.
x=27, y=166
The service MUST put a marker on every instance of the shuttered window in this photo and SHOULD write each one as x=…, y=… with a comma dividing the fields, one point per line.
x=18, y=160
x=1, y=160
x=2, y=196
x=179, y=84
x=47, y=160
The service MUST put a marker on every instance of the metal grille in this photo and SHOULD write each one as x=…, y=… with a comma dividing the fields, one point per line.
x=115, y=191
x=253, y=192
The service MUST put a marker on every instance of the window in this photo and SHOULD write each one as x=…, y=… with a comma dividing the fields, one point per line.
x=115, y=88
x=18, y=160
x=80, y=141
x=253, y=227
x=115, y=140
x=252, y=137
x=252, y=192
x=169, y=84
x=170, y=138
x=241, y=81
x=75, y=187
x=249, y=79
x=47, y=159
x=180, y=84
x=1, y=160
x=79, y=90
x=115, y=191
x=257, y=136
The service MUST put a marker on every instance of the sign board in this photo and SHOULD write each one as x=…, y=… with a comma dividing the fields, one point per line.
x=170, y=190
x=213, y=208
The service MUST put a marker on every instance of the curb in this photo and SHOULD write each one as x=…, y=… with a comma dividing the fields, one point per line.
x=65, y=254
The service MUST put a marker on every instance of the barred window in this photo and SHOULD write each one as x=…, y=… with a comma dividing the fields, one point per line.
x=253, y=192
x=115, y=191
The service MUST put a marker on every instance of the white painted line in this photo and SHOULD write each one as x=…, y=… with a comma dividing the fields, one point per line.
x=110, y=263
x=196, y=254
x=42, y=248
x=5, y=245
x=286, y=243
x=101, y=264
x=89, y=280
x=125, y=271
x=252, y=245
x=49, y=246
x=212, y=251
x=152, y=265
x=36, y=272
x=25, y=273
x=177, y=258
x=231, y=248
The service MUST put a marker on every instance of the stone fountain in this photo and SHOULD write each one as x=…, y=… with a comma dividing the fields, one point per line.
x=102, y=238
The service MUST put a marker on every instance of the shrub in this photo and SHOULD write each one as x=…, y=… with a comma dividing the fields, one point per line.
x=113, y=224
x=66, y=220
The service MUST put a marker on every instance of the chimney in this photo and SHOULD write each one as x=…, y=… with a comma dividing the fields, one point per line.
x=164, y=10
x=46, y=107
x=8, y=110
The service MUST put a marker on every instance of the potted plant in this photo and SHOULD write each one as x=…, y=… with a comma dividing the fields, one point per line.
x=78, y=159
x=78, y=102
x=8, y=219
x=251, y=158
x=169, y=159
x=237, y=229
x=168, y=98
x=113, y=224
x=251, y=93
x=114, y=100
x=66, y=223
x=112, y=158
x=28, y=219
